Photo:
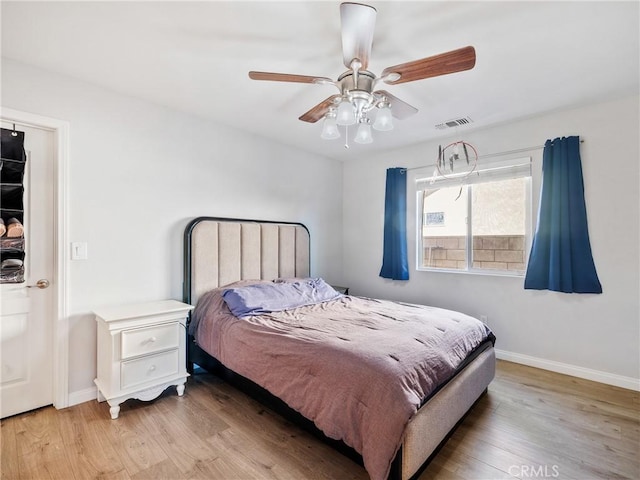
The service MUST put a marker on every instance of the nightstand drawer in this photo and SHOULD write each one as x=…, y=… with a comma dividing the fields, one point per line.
x=141, y=341
x=145, y=369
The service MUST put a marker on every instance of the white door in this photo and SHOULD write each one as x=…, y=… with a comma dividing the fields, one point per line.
x=27, y=309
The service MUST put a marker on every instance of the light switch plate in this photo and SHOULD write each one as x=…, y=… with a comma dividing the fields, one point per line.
x=79, y=251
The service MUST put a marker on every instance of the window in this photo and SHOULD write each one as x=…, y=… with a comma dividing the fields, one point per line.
x=488, y=220
x=434, y=218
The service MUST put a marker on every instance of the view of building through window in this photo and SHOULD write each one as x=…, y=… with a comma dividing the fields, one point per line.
x=482, y=226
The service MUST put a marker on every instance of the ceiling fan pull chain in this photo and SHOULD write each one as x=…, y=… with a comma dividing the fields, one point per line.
x=346, y=137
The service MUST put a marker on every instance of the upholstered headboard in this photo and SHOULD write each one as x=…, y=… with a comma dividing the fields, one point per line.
x=219, y=251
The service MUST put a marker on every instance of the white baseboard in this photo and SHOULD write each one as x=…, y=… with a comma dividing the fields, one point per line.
x=82, y=396
x=573, y=370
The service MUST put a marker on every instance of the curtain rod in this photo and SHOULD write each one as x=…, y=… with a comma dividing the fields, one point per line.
x=491, y=155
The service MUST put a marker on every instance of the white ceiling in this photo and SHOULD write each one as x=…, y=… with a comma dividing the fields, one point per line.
x=532, y=57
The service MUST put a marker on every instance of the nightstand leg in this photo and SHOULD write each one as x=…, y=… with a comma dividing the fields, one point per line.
x=114, y=411
x=180, y=389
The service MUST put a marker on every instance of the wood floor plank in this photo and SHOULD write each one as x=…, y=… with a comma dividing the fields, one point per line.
x=511, y=435
x=134, y=444
x=178, y=442
x=588, y=433
x=576, y=426
x=222, y=468
x=9, y=457
x=481, y=451
x=199, y=420
x=452, y=460
x=531, y=423
x=42, y=453
x=208, y=391
x=568, y=385
x=253, y=456
x=89, y=451
x=164, y=470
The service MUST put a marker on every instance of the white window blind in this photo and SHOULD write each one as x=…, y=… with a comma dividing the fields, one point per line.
x=490, y=172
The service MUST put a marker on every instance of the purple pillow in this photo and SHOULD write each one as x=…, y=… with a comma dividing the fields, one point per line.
x=275, y=297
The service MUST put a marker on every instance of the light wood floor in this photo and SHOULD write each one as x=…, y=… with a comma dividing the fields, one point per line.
x=531, y=424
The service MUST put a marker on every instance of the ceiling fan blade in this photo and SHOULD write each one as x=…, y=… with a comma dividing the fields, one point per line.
x=399, y=108
x=319, y=111
x=443, y=64
x=358, y=22
x=288, y=77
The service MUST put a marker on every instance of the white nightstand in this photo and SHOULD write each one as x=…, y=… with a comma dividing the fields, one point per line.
x=141, y=351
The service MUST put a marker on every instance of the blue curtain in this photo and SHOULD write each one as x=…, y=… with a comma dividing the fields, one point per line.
x=561, y=258
x=394, y=258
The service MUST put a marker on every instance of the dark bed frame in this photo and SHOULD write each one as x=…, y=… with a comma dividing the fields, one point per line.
x=197, y=356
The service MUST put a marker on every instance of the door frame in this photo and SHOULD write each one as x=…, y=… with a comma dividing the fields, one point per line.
x=60, y=326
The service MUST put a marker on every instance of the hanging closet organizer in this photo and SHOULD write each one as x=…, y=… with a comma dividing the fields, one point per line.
x=12, y=167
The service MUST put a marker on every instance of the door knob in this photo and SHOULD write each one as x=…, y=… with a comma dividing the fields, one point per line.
x=42, y=283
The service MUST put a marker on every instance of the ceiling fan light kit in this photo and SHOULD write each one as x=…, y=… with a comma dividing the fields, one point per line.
x=358, y=102
x=363, y=134
x=346, y=113
x=384, y=118
x=329, y=126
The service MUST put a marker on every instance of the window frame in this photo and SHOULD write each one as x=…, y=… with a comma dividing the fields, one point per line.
x=421, y=180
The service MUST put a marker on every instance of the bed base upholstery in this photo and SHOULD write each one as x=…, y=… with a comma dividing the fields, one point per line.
x=218, y=251
x=438, y=417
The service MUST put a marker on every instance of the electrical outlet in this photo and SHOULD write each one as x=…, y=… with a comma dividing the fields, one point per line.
x=483, y=319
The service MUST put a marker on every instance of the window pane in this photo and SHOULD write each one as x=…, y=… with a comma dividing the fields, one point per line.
x=444, y=228
x=498, y=225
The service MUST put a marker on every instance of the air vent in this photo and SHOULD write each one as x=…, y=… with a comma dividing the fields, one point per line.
x=454, y=123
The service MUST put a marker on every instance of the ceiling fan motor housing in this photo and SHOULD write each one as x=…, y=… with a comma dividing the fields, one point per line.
x=347, y=81
x=358, y=88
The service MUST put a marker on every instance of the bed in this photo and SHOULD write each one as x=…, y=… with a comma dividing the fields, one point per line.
x=225, y=257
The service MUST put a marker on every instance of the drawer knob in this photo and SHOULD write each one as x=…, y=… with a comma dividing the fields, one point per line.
x=152, y=368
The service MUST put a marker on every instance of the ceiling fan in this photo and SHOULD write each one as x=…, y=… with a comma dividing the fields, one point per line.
x=357, y=98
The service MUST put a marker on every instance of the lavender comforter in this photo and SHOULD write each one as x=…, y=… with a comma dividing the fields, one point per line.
x=359, y=368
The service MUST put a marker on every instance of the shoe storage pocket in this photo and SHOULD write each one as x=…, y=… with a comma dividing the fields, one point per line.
x=12, y=275
x=11, y=266
x=11, y=171
x=9, y=244
x=12, y=195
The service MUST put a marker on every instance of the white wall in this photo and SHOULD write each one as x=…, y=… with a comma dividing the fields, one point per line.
x=139, y=172
x=599, y=333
